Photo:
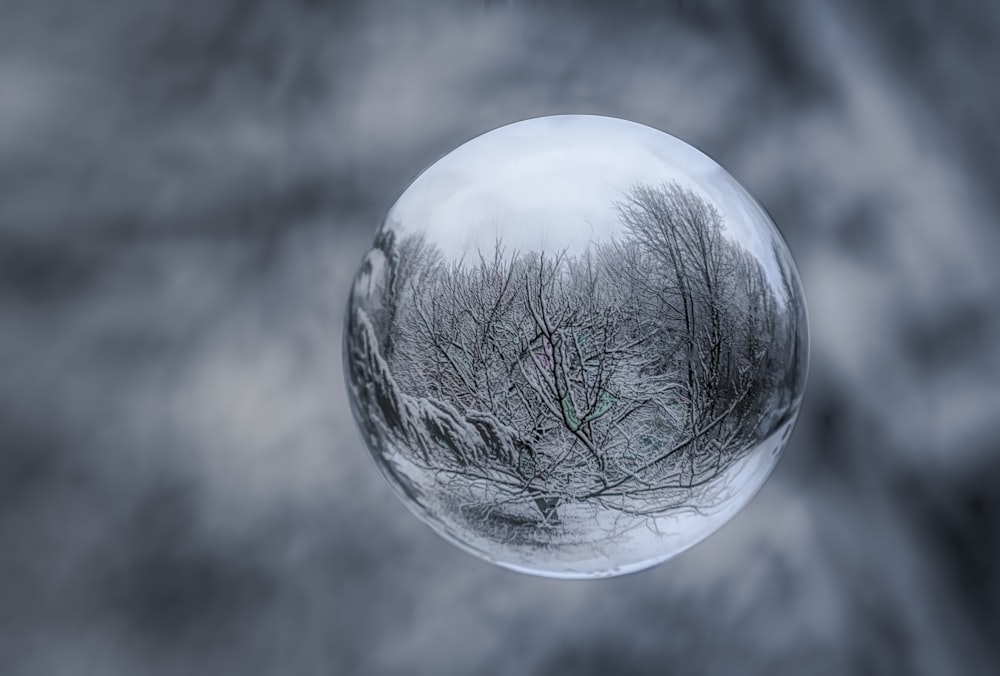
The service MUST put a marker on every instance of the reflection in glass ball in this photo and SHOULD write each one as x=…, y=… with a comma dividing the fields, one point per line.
x=577, y=346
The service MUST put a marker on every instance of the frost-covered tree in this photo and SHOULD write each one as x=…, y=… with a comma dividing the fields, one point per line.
x=625, y=377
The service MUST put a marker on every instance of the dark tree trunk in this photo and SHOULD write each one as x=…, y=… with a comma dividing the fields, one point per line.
x=547, y=506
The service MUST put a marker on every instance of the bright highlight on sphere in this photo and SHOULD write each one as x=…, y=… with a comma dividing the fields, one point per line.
x=577, y=346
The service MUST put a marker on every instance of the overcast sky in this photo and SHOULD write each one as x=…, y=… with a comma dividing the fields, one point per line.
x=552, y=183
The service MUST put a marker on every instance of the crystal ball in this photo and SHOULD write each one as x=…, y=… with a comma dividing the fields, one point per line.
x=577, y=346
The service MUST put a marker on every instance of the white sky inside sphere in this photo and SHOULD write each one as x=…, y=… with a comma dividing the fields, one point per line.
x=550, y=184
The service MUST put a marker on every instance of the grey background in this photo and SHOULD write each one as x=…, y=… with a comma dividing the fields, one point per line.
x=185, y=189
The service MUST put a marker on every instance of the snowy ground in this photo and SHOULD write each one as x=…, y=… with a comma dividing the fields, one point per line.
x=587, y=540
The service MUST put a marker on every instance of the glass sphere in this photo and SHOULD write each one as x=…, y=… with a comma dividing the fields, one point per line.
x=577, y=346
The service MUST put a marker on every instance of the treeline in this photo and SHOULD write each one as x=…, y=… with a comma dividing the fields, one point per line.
x=643, y=366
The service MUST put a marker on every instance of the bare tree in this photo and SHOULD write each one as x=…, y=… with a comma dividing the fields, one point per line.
x=624, y=378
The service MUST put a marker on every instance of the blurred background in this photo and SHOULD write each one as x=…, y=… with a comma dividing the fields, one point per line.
x=186, y=189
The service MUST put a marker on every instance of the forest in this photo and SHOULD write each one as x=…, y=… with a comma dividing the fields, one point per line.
x=626, y=378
